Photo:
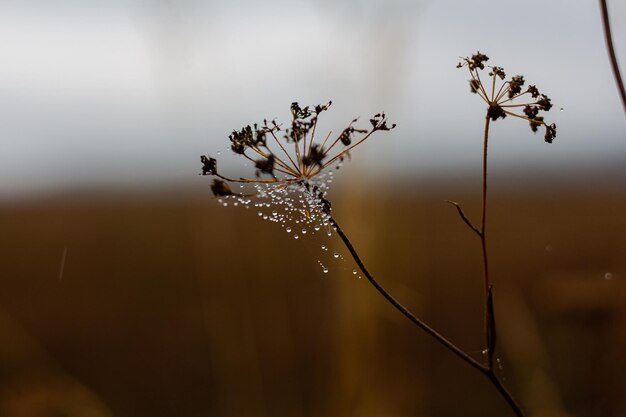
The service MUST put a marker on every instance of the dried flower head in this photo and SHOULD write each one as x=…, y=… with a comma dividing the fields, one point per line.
x=292, y=167
x=500, y=94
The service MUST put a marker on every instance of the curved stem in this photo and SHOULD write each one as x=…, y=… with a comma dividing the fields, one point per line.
x=488, y=372
x=419, y=323
x=611, y=50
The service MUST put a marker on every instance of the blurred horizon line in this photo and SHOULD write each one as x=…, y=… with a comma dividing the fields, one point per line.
x=502, y=179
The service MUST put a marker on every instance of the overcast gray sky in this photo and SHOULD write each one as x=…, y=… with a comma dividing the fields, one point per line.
x=132, y=92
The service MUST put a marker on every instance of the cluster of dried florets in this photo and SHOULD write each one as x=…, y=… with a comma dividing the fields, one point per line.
x=292, y=167
x=500, y=101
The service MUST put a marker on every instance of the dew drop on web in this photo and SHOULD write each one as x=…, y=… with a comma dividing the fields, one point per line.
x=288, y=229
x=324, y=269
x=354, y=272
x=304, y=231
x=296, y=237
x=335, y=255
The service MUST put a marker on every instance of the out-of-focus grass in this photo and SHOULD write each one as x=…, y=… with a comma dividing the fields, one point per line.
x=180, y=307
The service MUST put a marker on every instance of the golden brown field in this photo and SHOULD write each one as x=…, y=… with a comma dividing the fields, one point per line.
x=137, y=306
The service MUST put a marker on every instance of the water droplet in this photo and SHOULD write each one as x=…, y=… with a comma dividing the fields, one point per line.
x=260, y=214
x=608, y=276
x=324, y=247
x=220, y=201
x=484, y=352
x=225, y=204
x=317, y=227
x=288, y=230
x=274, y=213
x=296, y=237
x=304, y=231
x=562, y=109
x=336, y=255
x=354, y=272
x=324, y=269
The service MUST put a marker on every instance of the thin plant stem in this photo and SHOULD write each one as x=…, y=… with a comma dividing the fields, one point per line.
x=419, y=323
x=284, y=151
x=611, y=50
x=345, y=151
x=483, y=244
x=480, y=83
x=277, y=160
x=487, y=371
x=504, y=392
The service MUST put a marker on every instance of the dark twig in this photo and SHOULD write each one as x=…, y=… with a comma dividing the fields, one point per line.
x=485, y=370
x=504, y=392
x=441, y=339
x=489, y=323
x=483, y=244
x=464, y=217
x=491, y=328
x=611, y=50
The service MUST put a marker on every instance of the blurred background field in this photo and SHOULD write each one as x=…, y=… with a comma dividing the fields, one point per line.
x=159, y=305
x=126, y=290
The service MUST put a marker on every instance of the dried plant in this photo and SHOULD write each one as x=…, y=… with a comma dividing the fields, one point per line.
x=606, y=24
x=293, y=170
x=295, y=177
x=499, y=105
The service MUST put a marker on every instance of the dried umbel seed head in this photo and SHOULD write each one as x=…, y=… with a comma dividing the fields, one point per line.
x=475, y=62
x=293, y=168
x=505, y=98
x=220, y=188
x=209, y=165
